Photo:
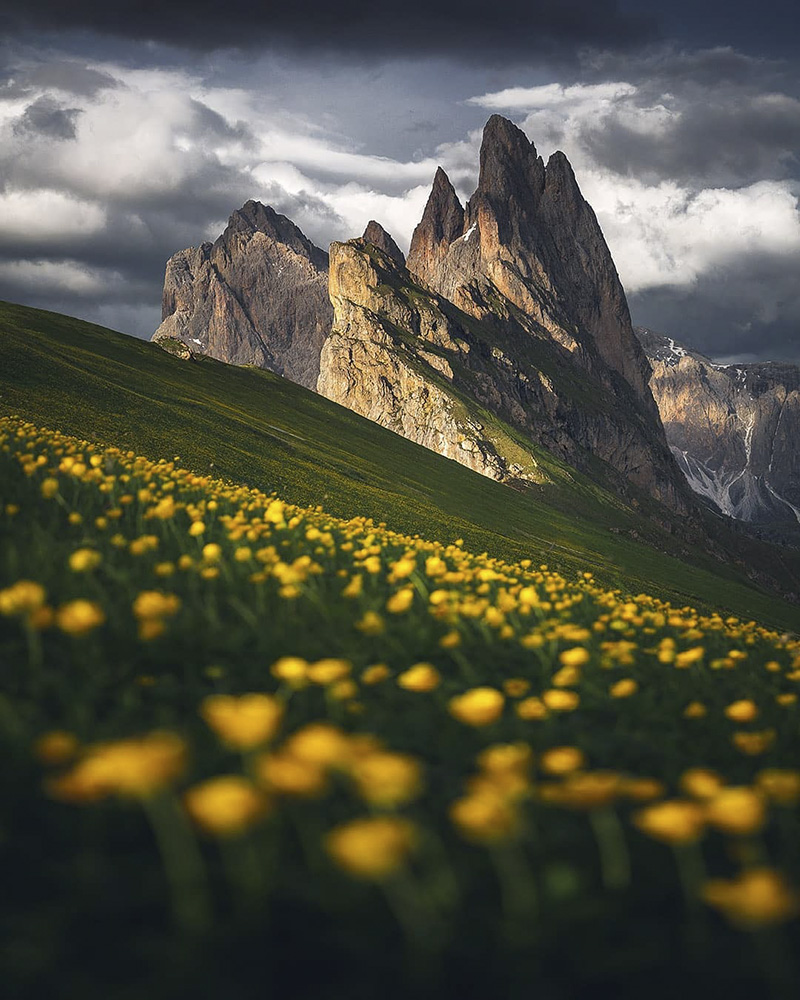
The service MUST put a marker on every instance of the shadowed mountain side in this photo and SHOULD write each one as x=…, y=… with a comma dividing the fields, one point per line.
x=257, y=295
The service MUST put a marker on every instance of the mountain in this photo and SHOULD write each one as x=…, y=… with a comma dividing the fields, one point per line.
x=506, y=332
x=732, y=428
x=257, y=296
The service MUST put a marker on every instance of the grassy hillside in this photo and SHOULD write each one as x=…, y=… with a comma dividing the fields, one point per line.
x=258, y=429
x=251, y=749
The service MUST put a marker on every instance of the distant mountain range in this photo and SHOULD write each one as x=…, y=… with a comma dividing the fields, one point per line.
x=505, y=332
x=734, y=429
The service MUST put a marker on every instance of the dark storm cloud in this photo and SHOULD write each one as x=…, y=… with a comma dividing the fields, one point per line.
x=749, y=310
x=719, y=142
x=46, y=117
x=69, y=76
x=421, y=26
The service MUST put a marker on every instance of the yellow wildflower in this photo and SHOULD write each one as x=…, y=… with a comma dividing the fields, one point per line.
x=623, y=688
x=387, y=779
x=780, y=786
x=742, y=711
x=372, y=848
x=134, y=768
x=291, y=669
x=225, y=806
x=320, y=743
x=83, y=560
x=78, y=618
x=754, y=744
x=531, y=709
x=289, y=775
x=370, y=623
x=757, y=898
x=485, y=817
x=558, y=700
x=328, y=671
x=22, y=598
x=675, y=821
x=243, y=722
x=738, y=810
x=575, y=657
x=701, y=783
x=479, y=706
x=400, y=602
x=375, y=673
x=420, y=677
x=695, y=710
x=562, y=760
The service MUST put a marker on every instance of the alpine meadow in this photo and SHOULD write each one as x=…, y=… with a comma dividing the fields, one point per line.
x=402, y=619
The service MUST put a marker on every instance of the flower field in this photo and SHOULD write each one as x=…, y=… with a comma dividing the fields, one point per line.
x=248, y=743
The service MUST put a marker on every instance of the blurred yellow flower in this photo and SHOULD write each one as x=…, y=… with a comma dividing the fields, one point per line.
x=757, y=898
x=22, y=598
x=558, y=700
x=387, y=780
x=738, y=810
x=485, y=817
x=479, y=706
x=82, y=560
x=420, y=677
x=623, y=688
x=742, y=711
x=675, y=821
x=225, y=806
x=134, y=768
x=562, y=760
x=78, y=618
x=372, y=848
x=291, y=669
x=243, y=722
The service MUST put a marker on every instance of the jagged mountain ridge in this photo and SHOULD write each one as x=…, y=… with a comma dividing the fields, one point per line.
x=258, y=296
x=507, y=330
x=732, y=428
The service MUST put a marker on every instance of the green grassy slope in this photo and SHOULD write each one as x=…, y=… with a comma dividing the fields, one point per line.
x=257, y=428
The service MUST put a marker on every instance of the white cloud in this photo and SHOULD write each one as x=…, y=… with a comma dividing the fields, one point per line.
x=46, y=214
x=554, y=95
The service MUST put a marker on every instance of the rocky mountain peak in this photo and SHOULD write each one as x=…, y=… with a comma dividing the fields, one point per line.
x=256, y=296
x=253, y=217
x=510, y=167
x=378, y=237
x=442, y=223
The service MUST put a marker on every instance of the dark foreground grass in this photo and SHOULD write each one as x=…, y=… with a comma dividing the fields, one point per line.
x=253, y=750
x=262, y=430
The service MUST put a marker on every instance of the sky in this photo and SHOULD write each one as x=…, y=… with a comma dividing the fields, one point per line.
x=130, y=130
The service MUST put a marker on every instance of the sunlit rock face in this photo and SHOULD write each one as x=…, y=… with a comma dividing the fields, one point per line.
x=506, y=330
x=258, y=296
x=734, y=429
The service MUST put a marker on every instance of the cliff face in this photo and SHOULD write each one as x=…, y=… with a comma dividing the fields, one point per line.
x=390, y=357
x=529, y=235
x=733, y=429
x=257, y=295
x=484, y=393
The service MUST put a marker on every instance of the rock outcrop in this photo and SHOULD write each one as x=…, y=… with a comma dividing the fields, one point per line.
x=258, y=296
x=390, y=358
x=483, y=392
x=732, y=428
x=529, y=235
